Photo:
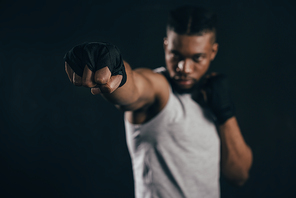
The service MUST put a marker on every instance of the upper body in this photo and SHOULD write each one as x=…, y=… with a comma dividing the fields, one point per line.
x=145, y=94
x=177, y=152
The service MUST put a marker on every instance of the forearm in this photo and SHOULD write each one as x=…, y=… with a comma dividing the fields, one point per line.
x=236, y=157
x=131, y=95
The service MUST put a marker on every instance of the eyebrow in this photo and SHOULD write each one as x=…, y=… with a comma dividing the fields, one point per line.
x=177, y=52
x=199, y=54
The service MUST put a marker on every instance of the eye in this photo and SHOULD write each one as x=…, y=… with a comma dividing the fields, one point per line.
x=175, y=55
x=197, y=58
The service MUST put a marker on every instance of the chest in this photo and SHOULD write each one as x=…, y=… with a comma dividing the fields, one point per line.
x=181, y=124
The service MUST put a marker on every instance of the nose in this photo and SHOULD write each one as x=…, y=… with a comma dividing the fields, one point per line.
x=185, y=66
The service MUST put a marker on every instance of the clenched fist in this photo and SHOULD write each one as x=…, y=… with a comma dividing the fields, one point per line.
x=216, y=95
x=96, y=65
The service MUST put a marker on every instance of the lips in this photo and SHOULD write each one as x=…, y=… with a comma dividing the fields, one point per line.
x=185, y=82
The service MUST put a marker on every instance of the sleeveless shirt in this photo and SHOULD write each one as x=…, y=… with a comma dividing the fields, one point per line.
x=177, y=153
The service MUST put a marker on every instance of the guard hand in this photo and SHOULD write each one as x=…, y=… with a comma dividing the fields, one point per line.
x=217, y=96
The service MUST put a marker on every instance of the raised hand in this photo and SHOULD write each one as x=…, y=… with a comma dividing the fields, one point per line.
x=217, y=96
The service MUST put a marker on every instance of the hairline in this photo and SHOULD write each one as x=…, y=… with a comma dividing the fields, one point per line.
x=199, y=33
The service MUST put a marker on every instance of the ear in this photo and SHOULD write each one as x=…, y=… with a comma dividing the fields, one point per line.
x=215, y=47
x=165, y=43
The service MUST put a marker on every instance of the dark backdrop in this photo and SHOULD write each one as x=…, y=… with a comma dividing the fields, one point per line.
x=57, y=140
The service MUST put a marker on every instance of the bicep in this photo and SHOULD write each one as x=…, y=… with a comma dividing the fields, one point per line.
x=151, y=87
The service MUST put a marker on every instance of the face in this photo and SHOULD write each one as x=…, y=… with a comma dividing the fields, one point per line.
x=188, y=57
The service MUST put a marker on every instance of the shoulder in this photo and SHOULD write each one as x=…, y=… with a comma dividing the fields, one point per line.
x=158, y=81
x=161, y=89
x=155, y=77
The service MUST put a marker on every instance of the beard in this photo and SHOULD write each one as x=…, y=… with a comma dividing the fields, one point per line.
x=178, y=83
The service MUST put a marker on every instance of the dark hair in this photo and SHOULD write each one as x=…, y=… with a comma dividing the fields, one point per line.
x=192, y=20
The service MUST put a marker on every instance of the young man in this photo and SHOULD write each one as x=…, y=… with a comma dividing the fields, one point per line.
x=177, y=118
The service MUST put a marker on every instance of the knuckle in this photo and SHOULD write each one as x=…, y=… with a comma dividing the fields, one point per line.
x=102, y=80
x=87, y=83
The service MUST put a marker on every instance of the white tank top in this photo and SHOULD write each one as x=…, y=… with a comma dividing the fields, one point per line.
x=177, y=153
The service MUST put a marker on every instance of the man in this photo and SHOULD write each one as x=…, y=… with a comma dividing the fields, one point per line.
x=176, y=118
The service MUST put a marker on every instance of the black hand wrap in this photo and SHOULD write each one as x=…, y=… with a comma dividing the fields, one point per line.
x=219, y=98
x=96, y=55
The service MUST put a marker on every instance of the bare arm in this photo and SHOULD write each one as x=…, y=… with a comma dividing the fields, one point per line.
x=236, y=154
x=141, y=90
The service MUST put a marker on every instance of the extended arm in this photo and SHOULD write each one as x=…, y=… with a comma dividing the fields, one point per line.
x=236, y=159
x=99, y=66
x=141, y=89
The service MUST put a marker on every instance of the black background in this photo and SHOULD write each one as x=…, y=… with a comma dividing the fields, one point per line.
x=58, y=140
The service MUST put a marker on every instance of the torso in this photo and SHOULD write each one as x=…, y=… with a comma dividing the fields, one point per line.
x=175, y=153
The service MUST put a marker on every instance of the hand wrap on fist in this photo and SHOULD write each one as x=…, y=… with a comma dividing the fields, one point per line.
x=218, y=97
x=96, y=55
